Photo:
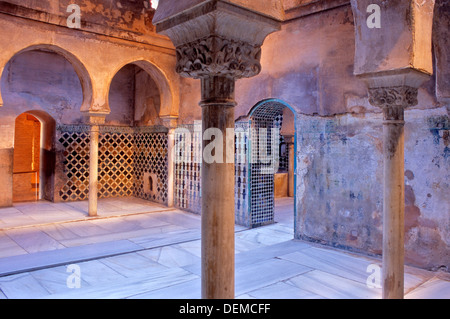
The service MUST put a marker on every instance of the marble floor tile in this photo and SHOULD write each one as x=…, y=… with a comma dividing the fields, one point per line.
x=145, y=220
x=117, y=224
x=31, y=207
x=22, y=286
x=261, y=274
x=333, y=262
x=434, y=288
x=186, y=220
x=52, y=258
x=85, y=228
x=43, y=217
x=33, y=240
x=118, y=236
x=281, y=290
x=133, y=265
x=54, y=279
x=170, y=256
x=17, y=220
x=333, y=287
x=193, y=247
x=58, y=232
x=264, y=235
x=167, y=238
x=8, y=247
x=243, y=244
x=244, y=296
x=8, y=211
x=189, y=289
x=268, y=252
x=96, y=272
x=129, y=287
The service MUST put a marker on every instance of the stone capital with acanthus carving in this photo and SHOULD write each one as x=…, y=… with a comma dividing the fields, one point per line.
x=215, y=56
x=393, y=100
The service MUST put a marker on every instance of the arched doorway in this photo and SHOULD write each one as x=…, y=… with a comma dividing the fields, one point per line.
x=272, y=149
x=135, y=100
x=34, y=157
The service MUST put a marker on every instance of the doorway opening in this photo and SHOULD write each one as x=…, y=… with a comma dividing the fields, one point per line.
x=272, y=168
x=34, y=157
x=27, y=146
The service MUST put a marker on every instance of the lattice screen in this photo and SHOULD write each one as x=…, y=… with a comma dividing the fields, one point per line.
x=188, y=162
x=115, y=154
x=125, y=156
x=75, y=142
x=188, y=170
x=241, y=175
x=151, y=157
x=264, y=157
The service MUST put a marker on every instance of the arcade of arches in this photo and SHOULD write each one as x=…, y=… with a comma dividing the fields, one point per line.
x=94, y=112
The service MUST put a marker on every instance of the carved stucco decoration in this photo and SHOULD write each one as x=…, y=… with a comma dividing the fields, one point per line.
x=214, y=56
x=393, y=100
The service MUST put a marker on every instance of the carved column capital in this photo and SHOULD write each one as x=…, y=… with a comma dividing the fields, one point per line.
x=171, y=122
x=216, y=56
x=393, y=100
x=95, y=119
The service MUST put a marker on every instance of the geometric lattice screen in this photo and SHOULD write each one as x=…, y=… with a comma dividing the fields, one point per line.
x=115, y=162
x=126, y=156
x=188, y=162
x=254, y=180
x=76, y=165
x=264, y=157
x=241, y=174
x=151, y=159
x=188, y=170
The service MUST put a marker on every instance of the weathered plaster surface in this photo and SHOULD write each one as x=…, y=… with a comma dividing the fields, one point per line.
x=28, y=85
x=95, y=58
x=441, y=45
x=339, y=173
x=402, y=40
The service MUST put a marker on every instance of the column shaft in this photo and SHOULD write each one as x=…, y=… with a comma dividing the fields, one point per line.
x=93, y=170
x=218, y=194
x=291, y=157
x=170, y=168
x=393, y=209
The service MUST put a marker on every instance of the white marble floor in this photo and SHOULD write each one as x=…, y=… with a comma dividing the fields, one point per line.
x=137, y=249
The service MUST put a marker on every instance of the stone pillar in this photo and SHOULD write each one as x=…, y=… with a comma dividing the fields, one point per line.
x=211, y=45
x=289, y=140
x=218, y=201
x=93, y=163
x=393, y=101
x=171, y=123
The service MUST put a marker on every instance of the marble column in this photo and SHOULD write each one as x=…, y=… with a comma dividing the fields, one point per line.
x=211, y=46
x=171, y=123
x=95, y=121
x=393, y=101
x=289, y=140
x=218, y=87
x=218, y=201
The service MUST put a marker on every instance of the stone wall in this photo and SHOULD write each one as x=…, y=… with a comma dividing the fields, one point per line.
x=340, y=176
